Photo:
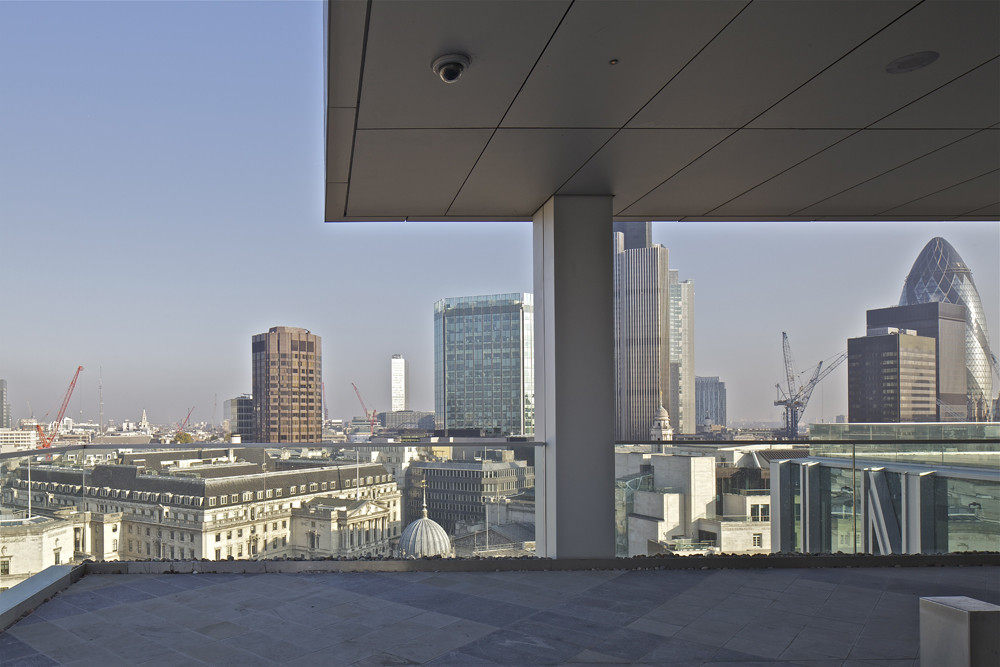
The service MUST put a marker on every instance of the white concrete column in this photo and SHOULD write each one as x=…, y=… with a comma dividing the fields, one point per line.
x=574, y=378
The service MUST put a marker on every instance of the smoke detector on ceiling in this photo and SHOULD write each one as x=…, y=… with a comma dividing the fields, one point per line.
x=912, y=62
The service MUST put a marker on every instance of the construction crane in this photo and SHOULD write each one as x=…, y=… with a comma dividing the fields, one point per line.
x=368, y=415
x=48, y=440
x=795, y=398
x=182, y=425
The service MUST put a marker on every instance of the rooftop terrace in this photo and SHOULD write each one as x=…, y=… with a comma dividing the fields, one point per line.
x=820, y=616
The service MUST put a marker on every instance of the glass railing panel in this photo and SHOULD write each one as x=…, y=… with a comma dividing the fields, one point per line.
x=924, y=494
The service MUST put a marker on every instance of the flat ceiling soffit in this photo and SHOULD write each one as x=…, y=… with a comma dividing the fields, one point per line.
x=727, y=110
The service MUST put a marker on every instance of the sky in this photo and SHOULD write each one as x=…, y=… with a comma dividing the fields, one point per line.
x=161, y=200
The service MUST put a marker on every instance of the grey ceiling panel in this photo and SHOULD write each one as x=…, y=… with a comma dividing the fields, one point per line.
x=520, y=169
x=857, y=90
x=845, y=164
x=958, y=162
x=346, y=32
x=574, y=84
x=771, y=48
x=970, y=101
x=844, y=140
x=636, y=161
x=336, y=196
x=739, y=163
x=410, y=172
x=339, y=134
x=957, y=199
x=503, y=39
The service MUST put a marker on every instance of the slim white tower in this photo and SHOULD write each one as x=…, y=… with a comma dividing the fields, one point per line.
x=399, y=383
x=682, y=383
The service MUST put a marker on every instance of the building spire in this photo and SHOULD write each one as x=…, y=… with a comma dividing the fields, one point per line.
x=423, y=485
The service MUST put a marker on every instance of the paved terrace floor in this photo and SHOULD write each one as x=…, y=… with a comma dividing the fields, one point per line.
x=715, y=617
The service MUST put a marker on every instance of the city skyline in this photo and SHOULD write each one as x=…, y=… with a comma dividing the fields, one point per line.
x=144, y=256
x=124, y=400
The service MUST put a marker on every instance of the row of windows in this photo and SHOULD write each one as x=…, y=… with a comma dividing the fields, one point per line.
x=252, y=530
x=160, y=533
x=166, y=552
x=312, y=487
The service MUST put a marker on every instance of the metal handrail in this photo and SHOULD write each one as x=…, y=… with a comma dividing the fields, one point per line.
x=455, y=443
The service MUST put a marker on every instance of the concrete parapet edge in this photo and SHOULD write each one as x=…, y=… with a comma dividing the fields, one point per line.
x=26, y=596
x=720, y=562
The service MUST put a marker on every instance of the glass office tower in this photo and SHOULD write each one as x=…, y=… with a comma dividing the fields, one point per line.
x=710, y=401
x=484, y=363
x=239, y=413
x=940, y=274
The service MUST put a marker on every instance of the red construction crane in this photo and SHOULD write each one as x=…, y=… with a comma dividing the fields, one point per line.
x=183, y=424
x=48, y=440
x=368, y=415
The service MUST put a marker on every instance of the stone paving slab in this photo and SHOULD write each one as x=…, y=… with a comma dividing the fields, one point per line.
x=809, y=617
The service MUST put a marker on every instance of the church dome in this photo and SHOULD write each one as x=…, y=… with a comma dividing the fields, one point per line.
x=661, y=429
x=424, y=537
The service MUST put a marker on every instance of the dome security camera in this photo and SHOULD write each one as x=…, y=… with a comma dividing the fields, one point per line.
x=450, y=67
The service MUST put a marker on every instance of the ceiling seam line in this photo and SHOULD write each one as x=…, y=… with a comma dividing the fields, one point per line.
x=899, y=166
x=509, y=106
x=654, y=95
x=940, y=190
x=357, y=108
x=976, y=209
x=679, y=128
x=782, y=99
x=858, y=131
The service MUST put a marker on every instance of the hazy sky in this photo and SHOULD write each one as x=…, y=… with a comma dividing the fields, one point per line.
x=161, y=177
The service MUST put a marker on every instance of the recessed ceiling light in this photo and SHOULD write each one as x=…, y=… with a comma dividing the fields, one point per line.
x=912, y=62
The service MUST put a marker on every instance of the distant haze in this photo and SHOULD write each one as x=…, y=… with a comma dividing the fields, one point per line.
x=161, y=201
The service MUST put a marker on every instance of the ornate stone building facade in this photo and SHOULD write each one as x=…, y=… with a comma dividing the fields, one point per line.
x=206, y=507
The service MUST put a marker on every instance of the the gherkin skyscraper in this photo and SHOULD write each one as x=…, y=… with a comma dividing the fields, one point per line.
x=940, y=274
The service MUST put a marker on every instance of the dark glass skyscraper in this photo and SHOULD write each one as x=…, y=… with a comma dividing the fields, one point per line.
x=239, y=412
x=945, y=323
x=940, y=274
x=891, y=377
x=636, y=234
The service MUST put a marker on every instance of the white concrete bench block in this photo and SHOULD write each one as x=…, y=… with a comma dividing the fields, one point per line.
x=959, y=632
